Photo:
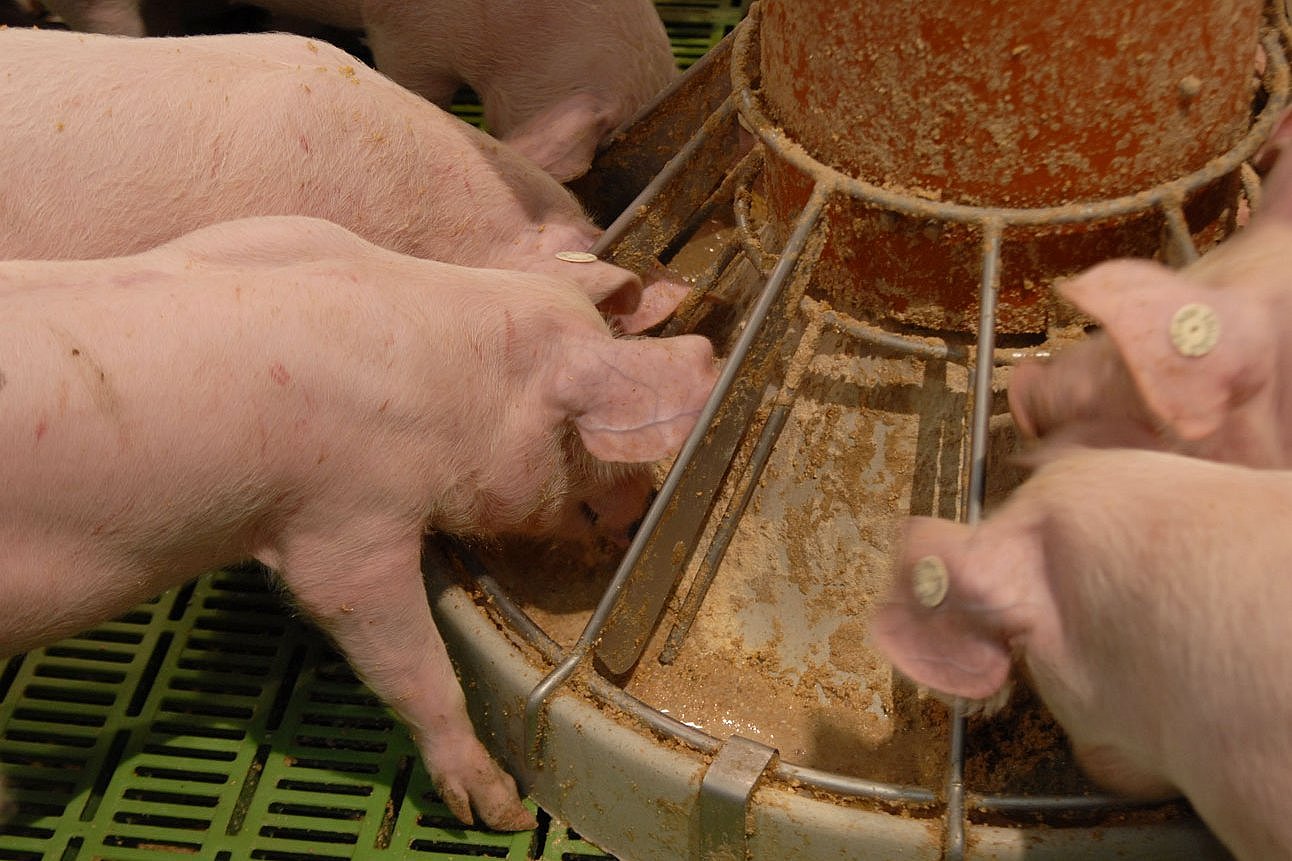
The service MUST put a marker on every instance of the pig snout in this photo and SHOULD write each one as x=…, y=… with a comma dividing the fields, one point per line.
x=609, y=503
x=633, y=303
x=632, y=402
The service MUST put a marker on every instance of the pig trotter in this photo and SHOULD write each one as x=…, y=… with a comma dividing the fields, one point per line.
x=479, y=785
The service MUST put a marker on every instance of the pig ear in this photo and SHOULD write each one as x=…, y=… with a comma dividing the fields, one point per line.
x=949, y=641
x=663, y=291
x=563, y=139
x=635, y=401
x=1180, y=342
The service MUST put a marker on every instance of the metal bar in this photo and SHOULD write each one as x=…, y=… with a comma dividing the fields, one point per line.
x=753, y=247
x=544, y=689
x=657, y=569
x=841, y=784
x=1041, y=804
x=735, y=511
x=723, y=805
x=1180, y=248
x=954, y=836
x=662, y=179
x=982, y=397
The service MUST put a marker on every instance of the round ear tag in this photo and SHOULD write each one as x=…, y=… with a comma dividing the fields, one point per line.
x=1195, y=329
x=576, y=256
x=930, y=581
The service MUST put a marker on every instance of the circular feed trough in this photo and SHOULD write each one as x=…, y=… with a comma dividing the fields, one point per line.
x=754, y=722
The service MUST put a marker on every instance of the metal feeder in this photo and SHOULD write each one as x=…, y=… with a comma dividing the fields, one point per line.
x=639, y=781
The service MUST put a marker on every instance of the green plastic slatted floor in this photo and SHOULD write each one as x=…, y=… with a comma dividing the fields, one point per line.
x=208, y=724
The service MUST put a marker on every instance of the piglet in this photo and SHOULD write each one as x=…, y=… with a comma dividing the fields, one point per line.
x=555, y=77
x=1147, y=597
x=280, y=389
x=1195, y=361
x=113, y=146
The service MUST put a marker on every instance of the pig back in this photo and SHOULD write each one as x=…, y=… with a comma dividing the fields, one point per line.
x=116, y=145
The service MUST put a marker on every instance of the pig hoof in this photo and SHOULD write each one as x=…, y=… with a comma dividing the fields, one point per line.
x=488, y=791
x=516, y=817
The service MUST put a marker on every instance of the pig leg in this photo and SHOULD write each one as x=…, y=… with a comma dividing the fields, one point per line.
x=114, y=17
x=563, y=139
x=368, y=596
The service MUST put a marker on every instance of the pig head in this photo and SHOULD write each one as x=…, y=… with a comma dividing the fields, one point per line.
x=1192, y=361
x=555, y=77
x=1144, y=595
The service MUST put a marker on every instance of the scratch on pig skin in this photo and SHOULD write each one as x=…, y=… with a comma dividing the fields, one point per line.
x=279, y=374
x=96, y=380
x=3, y=380
x=41, y=427
x=510, y=333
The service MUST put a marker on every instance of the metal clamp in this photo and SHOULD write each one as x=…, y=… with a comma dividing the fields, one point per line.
x=724, y=799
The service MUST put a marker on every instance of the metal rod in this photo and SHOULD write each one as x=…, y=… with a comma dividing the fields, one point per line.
x=752, y=245
x=780, y=276
x=953, y=836
x=854, y=786
x=662, y=179
x=983, y=367
x=1180, y=245
x=954, y=844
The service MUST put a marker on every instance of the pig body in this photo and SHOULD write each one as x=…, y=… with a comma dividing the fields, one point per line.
x=555, y=77
x=1147, y=597
x=116, y=145
x=282, y=390
x=1193, y=361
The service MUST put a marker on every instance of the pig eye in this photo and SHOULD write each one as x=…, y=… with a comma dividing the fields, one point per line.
x=588, y=514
